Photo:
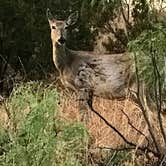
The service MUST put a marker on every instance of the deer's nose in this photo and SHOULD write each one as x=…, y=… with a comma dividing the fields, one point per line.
x=62, y=40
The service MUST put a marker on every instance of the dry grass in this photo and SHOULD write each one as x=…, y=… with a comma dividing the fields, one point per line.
x=4, y=119
x=112, y=111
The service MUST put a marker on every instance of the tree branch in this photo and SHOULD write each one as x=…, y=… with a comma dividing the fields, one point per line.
x=129, y=122
x=158, y=95
x=143, y=106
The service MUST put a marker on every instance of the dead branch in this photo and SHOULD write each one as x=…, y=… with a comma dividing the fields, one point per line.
x=131, y=144
x=141, y=133
x=117, y=149
x=128, y=13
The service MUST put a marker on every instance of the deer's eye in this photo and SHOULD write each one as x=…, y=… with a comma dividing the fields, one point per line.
x=66, y=27
x=53, y=27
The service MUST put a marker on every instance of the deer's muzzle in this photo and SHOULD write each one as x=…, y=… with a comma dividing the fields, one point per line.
x=62, y=40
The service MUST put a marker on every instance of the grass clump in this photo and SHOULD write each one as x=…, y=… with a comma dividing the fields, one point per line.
x=38, y=135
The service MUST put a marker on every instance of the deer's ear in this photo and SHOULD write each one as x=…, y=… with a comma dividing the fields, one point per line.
x=72, y=19
x=49, y=15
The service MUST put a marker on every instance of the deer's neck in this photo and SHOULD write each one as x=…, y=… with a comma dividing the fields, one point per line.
x=54, y=54
x=59, y=56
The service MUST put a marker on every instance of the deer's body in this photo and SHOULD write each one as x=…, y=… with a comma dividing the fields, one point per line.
x=107, y=76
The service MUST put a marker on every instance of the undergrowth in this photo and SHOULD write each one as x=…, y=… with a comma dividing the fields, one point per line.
x=38, y=135
x=150, y=57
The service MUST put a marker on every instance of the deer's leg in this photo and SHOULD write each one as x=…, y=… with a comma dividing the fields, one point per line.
x=84, y=97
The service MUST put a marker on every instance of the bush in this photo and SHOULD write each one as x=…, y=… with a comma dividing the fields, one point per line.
x=150, y=51
x=38, y=136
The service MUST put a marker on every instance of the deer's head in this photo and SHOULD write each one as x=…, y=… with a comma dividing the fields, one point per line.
x=59, y=28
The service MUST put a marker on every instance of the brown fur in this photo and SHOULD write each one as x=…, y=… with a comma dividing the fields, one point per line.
x=108, y=75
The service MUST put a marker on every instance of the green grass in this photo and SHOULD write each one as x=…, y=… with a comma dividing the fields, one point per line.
x=116, y=158
x=38, y=135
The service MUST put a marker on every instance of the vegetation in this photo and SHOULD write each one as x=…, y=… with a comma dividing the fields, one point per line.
x=150, y=54
x=37, y=133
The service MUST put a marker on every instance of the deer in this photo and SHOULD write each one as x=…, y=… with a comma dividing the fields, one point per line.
x=89, y=74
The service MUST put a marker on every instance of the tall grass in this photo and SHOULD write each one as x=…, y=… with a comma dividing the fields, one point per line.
x=38, y=133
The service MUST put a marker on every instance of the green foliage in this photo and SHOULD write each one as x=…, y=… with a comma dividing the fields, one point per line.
x=118, y=158
x=37, y=135
x=25, y=36
x=121, y=157
x=71, y=132
x=150, y=52
x=140, y=12
x=99, y=12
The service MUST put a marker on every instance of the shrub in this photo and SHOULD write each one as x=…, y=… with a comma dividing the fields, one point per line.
x=37, y=135
x=149, y=49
